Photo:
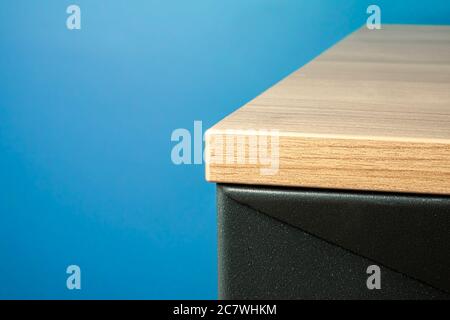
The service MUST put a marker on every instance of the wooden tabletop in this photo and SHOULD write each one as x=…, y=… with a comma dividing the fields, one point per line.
x=371, y=113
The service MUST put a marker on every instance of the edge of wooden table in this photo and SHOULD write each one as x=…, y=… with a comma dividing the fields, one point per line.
x=413, y=156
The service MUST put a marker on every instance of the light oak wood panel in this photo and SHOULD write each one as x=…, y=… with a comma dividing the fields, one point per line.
x=371, y=113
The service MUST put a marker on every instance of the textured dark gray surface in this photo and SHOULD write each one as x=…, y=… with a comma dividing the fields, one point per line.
x=261, y=257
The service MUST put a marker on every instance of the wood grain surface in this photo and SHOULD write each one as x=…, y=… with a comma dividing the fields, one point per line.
x=371, y=113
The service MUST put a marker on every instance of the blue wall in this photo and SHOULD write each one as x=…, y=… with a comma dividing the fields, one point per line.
x=86, y=116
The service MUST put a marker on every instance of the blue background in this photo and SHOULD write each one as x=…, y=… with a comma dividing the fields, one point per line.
x=86, y=117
